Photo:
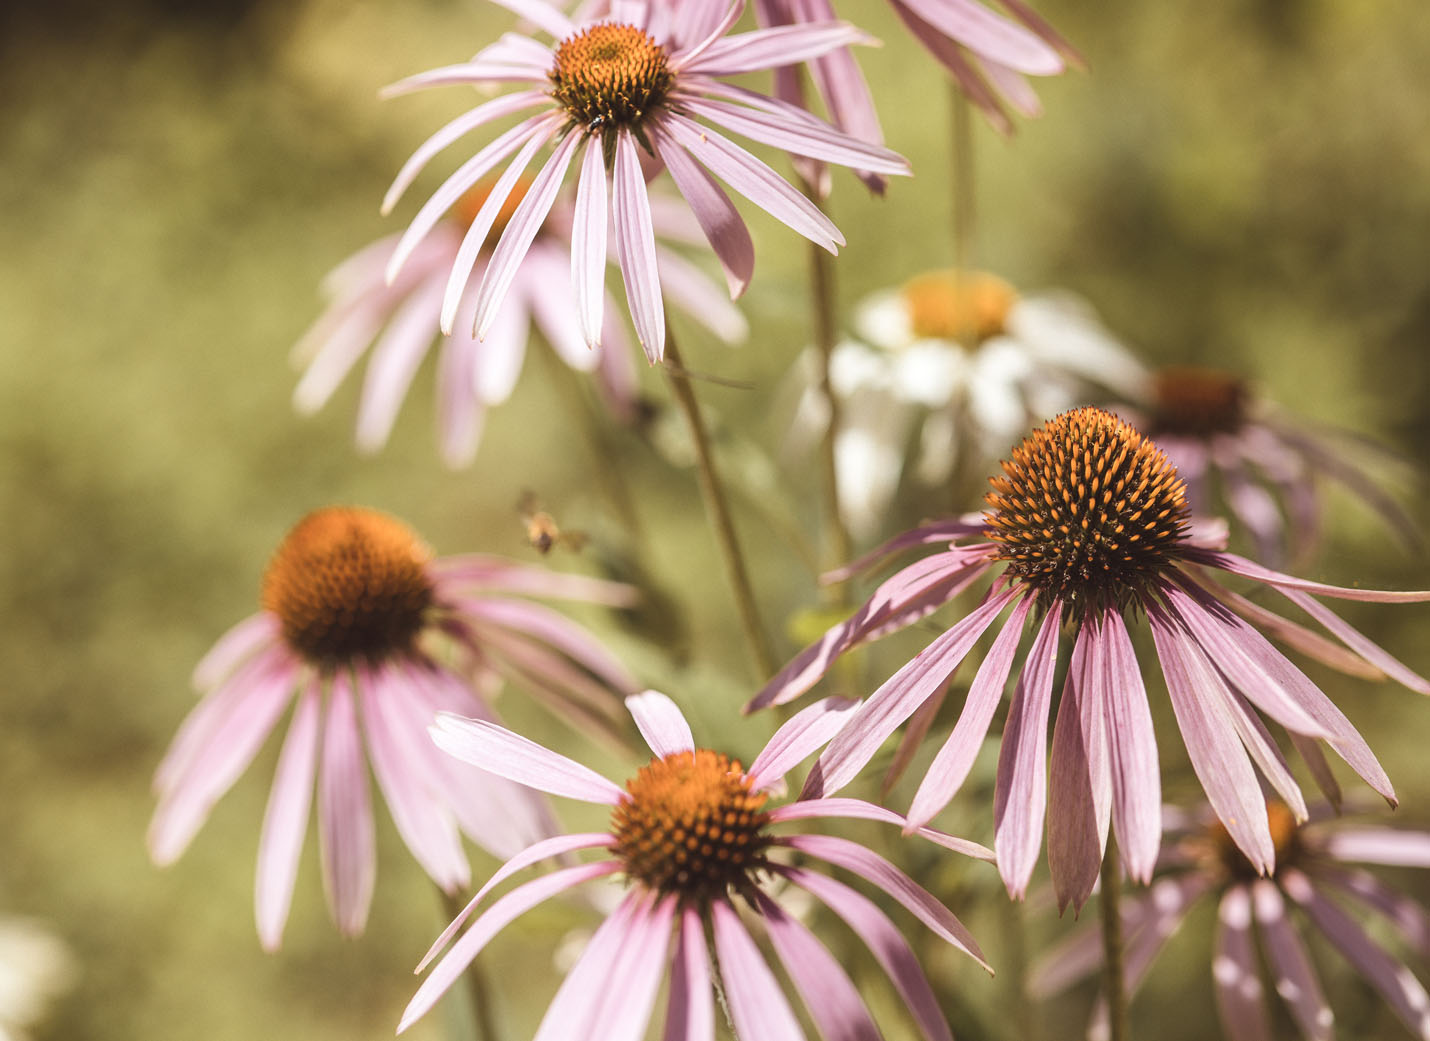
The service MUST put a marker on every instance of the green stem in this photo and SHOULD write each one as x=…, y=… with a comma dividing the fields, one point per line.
x=484, y=1024
x=963, y=185
x=717, y=508
x=1112, y=943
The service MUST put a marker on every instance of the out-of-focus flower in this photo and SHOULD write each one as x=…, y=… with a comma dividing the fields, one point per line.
x=373, y=636
x=1218, y=433
x=691, y=838
x=1315, y=874
x=964, y=359
x=35, y=968
x=626, y=87
x=1090, y=522
x=399, y=321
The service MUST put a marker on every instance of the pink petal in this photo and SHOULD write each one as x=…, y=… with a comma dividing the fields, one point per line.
x=721, y=223
x=801, y=736
x=1081, y=784
x=286, y=821
x=1238, y=986
x=541, y=14
x=1295, y=977
x=757, y=1007
x=1386, y=846
x=635, y=978
x=571, y=1016
x=1357, y=642
x=495, y=575
x=972, y=25
x=550, y=627
x=347, y=847
x=1132, y=747
x=233, y=648
x=692, y=291
x=690, y=1009
x=1401, y=910
x=635, y=247
x=464, y=74
x=1247, y=569
x=499, y=751
x=588, y=241
x=661, y=723
x=768, y=48
x=394, y=363
x=817, y=142
x=858, y=809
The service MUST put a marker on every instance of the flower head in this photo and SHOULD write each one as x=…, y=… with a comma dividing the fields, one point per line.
x=1089, y=527
x=1219, y=433
x=629, y=90
x=693, y=839
x=965, y=361
x=1315, y=862
x=354, y=608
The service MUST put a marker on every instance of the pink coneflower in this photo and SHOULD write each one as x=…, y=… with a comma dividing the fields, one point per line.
x=1218, y=433
x=1090, y=522
x=400, y=323
x=354, y=609
x=1314, y=875
x=691, y=838
x=628, y=87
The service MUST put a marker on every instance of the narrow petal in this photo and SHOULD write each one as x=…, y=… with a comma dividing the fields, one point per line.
x=722, y=224
x=1081, y=783
x=467, y=73
x=495, y=575
x=1357, y=642
x=542, y=14
x=572, y=1014
x=1309, y=643
x=757, y=1007
x=555, y=629
x=823, y=142
x=1238, y=986
x=233, y=648
x=1315, y=761
x=896, y=700
x=286, y=821
x=884, y=941
x=394, y=362
x=499, y=751
x=767, y=48
x=1401, y=910
x=801, y=736
x=858, y=809
x=828, y=994
x=588, y=241
x=980, y=30
x=348, y=846
x=1291, y=968
x=661, y=723
x=635, y=247
x=1132, y=748
x=876, y=870
x=497, y=917
x=1020, y=798
x=627, y=1002
x=955, y=759
x=1249, y=569
x=1379, y=846
x=690, y=289
x=690, y=1009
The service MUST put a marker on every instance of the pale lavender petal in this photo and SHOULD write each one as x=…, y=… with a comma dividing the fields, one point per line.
x=858, y=809
x=661, y=723
x=1357, y=642
x=1039, y=25
x=394, y=363
x=464, y=74
x=635, y=247
x=974, y=26
x=1011, y=85
x=953, y=58
x=1379, y=846
x=822, y=142
x=497, y=917
x=1132, y=749
x=1238, y=986
x=694, y=292
x=1291, y=968
x=457, y=128
x=550, y=627
x=690, y=1008
x=1261, y=746
x=499, y=751
x=588, y=241
x=757, y=1007
x=950, y=767
x=721, y=223
x=495, y=575
x=1401, y=990
x=635, y=978
x=572, y=1014
x=543, y=282
x=897, y=698
x=347, y=844
x=1020, y=798
x=1404, y=912
x=754, y=180
x=529, y=664
x=1218, y=758
x=459, y=414
x=717, y=32
x=286, y=821
x=943, y=531
x=1311, y=644
x=1248, y=569
x=1081, y=782
x=828, y=994
x=767, y=48
x=801, y=736
x=540, y=13
x=502, y=350
x=521, y=229
x=1315, y=761
x=884, y=941
x=233, y=648
x=874, y=869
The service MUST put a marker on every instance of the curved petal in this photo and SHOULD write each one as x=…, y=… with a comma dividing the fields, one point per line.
x=758, y=1009
x=1291, y=967
x=801, y=736
x=286, y=821
x=721, y=223
x=690, y=1009
x=347, y=844
x=1080, y=787
x=635, y=247
x=858, y=809
x=499, y=751
x=233, y=648
x=661, y=723
x=1132, y=749
x=1249, y=569
x=816, y=142
x=1238, y=986
x=588, y=241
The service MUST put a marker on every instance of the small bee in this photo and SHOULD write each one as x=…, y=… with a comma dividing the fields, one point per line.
x=542, y=531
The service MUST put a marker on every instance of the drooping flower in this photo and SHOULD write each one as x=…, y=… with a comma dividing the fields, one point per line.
x=964, y=359
x=35, y=968
x=400, y=322
x=1316, y=876
x=628, y=88
x=370, y=637
x=693, y=841
x=1218, y=433
x=1089, y=523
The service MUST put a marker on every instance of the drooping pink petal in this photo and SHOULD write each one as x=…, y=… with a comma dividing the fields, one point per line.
x=540, y=13
x=690, y=1008
x=464, y=74
x=768, y=48
x=1357, y=642
x=1132, y=749
x=635, y=247
x=1410, y=919
x=1249, y=569
x=925, y=535
x=1315, y=761
x=661, y=723
x=1396, y=983
x=1291, y=967
x=816, y=142
x=393, y=364
x=499, y=751
x=502, y=350
x=804, y=733
x=884, y=941
x=974, y=26
x=876, y=870
x=718, y=28
x=233, y=648
x=950, y=767
x=1020, y=797
x=721, y=223
x=1261, y=746
x=757, y=1007
x=833, y=1003
x=1238, y=985
x=897, y=698
x=495, y=575
x=541, y=283
x=1379, y=846
x=286, y=821
x=572, y=1013
x=858, y=809
x=689, y=289
x=347, y=844
x=1080, y=784
x=588, y=241
x=1311, y=644
x=497, y=917
x=625, y=1005
x=460, y=415
x=550, y=627
x=1010, y=85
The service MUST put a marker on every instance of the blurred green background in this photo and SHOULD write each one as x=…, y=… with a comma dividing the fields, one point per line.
x=1236, y=182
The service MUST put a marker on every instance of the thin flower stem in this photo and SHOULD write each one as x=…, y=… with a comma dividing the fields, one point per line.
x=1112, y=943
x=484, y=1024
x=718, y=510
x=1015, y=930
x=716, y=982
x=964, y=193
